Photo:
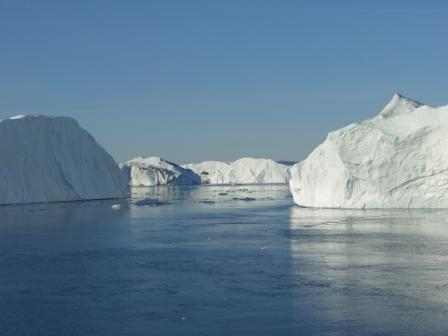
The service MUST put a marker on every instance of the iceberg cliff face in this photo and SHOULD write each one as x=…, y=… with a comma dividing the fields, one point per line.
x=398, y=159
x=242, y=171
x=50, y=159
x=152, y=171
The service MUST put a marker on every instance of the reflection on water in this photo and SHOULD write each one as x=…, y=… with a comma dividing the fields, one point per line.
x=372, y=272
x=221, y=194
x=207, y=262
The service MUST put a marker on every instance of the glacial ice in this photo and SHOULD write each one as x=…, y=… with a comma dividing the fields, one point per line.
x=49, y=159
x=153, y=171
x=242, y=171
x=398, y=159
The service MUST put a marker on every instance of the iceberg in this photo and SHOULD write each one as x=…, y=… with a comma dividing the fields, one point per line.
x=398, y=159
x=153, y=171
x=242, y=171
x=52, y=159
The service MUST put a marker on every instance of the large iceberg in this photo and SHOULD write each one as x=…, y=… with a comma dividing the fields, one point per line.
x=242, y=171
x=398, y=159
x=49, y=159
x=153, y=171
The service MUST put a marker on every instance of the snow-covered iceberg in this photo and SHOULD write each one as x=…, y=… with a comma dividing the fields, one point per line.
x=152, y=171
x=242, y=171
x=398, y=159
x=49, y=159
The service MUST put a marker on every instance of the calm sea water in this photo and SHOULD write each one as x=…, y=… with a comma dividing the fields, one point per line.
x=239, y=260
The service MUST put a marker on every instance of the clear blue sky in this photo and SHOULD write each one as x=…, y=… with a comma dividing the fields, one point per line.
x=195, y=80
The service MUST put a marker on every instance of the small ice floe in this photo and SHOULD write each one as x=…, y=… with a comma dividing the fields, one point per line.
x=149, y=202
x=206, y=201
x=269, y=198
x=184, y=318
x=244, y=198
x=116, y=206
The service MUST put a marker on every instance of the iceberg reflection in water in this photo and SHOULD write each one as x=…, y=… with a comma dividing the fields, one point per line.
x=206, y=262
x=371, y=272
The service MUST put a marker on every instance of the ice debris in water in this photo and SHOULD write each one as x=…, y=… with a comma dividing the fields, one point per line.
x=149, y=202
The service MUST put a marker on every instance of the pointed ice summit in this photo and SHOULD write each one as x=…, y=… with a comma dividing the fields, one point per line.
x=398, y=159
x=399, y=105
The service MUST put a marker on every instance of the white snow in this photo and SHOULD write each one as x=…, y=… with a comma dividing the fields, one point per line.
x=242, y=171
x=152, y=171
x=48, y=159
x=398, y=159
x=20, y=116
x=399, y=105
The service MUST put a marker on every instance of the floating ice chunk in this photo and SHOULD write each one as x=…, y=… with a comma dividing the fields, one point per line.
x=244, y=198
x=149, y=202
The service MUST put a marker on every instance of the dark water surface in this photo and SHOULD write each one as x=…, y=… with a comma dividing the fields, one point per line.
x=221, y=261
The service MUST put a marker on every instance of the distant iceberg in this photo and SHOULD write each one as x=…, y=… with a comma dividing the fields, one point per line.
x=398, y=159
x=242, y=171
x=50, y=159
x=153, y=171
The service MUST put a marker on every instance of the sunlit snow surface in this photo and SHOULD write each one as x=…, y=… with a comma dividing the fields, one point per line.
x=206, y=261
